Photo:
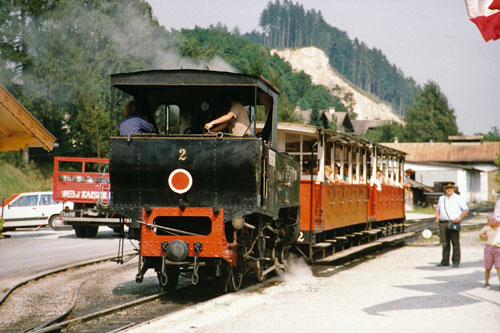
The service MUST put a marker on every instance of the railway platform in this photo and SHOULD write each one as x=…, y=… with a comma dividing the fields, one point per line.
x=399, y=290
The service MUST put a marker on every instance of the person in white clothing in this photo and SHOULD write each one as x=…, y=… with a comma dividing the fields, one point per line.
x=451, y=209
x=236, y=119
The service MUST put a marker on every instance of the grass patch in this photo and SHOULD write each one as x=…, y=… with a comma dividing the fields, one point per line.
x=26, y=179
x=423, y=210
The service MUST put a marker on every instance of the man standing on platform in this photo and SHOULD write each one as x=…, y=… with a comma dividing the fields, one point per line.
x=451, y=209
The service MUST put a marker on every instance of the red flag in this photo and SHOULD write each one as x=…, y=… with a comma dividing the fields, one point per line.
x=486, y=15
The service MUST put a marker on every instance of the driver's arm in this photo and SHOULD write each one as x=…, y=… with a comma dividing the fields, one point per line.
x=221, y=120
x=219, y=128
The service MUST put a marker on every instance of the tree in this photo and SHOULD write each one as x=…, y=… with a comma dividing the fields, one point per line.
x=430, y=118
x=285, y=24
x=286, y=111
x=64, y=55
x=492, y=135
x=315, y=118
x=386, y=133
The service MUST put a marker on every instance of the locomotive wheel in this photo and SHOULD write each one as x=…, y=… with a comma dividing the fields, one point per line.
x=172, y=278
x=235, y=279
x=260, y=271
x=281, y=255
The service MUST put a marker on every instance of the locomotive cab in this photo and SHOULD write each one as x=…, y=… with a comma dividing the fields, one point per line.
x=203, y=203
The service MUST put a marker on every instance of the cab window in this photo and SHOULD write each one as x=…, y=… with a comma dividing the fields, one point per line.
x=167, y=119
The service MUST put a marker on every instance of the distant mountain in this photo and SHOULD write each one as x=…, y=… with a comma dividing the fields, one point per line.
x=314, y=62
x=286, y=24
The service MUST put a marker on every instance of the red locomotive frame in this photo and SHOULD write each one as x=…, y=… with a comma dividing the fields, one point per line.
x=215, y=243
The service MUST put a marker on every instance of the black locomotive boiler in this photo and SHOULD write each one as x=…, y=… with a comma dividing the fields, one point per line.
x=203, y=204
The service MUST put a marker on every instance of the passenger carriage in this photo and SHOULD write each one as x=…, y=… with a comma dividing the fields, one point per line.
x=336, y=216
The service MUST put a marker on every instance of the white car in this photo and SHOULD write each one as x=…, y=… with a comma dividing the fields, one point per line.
x=31, y=209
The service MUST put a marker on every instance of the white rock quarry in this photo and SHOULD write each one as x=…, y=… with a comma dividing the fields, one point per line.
x=314, y=62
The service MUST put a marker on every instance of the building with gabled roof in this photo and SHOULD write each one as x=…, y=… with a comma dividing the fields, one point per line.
x=343, y=122
x=18, y=128
x=466, y=160
x=361, y=126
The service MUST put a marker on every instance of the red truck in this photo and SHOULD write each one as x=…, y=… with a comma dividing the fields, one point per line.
x=84, y=181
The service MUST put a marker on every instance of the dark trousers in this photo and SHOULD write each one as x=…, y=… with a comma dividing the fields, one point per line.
x=446, y=236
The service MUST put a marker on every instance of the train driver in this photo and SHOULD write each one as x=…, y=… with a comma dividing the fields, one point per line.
x=236, y=119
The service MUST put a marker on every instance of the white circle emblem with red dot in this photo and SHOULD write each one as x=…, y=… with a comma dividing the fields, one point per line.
x=180, y=181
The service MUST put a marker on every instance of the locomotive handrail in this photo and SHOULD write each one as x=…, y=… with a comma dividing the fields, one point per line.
x=172, y=230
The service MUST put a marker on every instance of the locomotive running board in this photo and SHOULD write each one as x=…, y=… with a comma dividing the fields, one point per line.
x=355, y=249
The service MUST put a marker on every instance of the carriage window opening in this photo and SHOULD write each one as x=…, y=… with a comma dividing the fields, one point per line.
x=309, y=156
x=300, y=147
x=293, y=146
x=292, y=143
x=349, y=169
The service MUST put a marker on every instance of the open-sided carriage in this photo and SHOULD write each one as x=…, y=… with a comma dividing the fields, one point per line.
x=351, y=211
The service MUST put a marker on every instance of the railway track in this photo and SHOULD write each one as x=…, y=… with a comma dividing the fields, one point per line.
x=128, y=314
x=121, y=315
x=52, y=272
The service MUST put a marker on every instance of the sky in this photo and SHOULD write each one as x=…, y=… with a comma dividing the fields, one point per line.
x=426, y=39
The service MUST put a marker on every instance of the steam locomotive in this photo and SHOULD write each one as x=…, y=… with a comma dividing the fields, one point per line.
x=214, y=204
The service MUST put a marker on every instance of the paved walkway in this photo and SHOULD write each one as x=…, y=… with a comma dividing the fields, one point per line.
x=399, y=291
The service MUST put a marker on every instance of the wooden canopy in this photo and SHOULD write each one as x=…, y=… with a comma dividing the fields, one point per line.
x=18, y=128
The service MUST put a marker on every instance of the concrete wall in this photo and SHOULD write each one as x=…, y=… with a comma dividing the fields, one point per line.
x=469, y=181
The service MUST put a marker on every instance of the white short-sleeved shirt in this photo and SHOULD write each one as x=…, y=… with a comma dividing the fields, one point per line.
x=240, y=124
x=492, y=235
x=451, y=208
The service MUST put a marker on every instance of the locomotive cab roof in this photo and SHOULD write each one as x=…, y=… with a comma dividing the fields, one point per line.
x=198, y=94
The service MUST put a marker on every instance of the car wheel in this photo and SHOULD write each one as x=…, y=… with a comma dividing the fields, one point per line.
x=53, y=222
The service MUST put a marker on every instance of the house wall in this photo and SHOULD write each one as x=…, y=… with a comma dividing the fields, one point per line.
x=472, y=185
x=489, y=188
x=468, y=181
x=428, y=174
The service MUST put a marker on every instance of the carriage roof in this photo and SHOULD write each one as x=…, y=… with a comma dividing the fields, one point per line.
x=333, y=136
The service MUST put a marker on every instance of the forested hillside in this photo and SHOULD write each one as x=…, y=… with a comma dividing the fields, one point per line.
x=56, y=58
x=287, y=25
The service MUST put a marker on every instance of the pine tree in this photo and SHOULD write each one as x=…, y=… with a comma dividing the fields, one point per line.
x=430, y=118
x=315, y=118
